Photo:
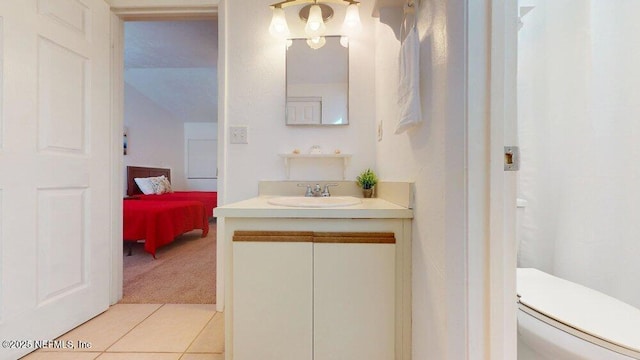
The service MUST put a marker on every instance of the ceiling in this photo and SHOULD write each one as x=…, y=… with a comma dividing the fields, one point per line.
x=174, y=64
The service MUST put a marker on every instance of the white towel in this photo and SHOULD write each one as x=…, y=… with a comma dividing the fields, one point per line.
x=409, y=87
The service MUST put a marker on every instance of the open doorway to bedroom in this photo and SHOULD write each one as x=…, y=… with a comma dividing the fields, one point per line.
x=170, y=124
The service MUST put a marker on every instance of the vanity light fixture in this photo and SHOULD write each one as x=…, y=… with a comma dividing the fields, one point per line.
x=315, y=14
x=315, y=22
x=352, y=19
x=279, y=27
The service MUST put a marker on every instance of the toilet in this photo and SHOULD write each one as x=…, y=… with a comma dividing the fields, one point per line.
x=561, y=320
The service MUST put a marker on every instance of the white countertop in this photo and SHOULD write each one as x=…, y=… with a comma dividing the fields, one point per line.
x=258, y=207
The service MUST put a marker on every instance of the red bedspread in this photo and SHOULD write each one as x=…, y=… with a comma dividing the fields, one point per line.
x=208, y=198
x=159, y=222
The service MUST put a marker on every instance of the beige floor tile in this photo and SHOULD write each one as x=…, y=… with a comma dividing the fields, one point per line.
x=47, y=355
x=139, y=356
x=211, y=339
x=171, y=328
x=202, y=357
x=102, y=331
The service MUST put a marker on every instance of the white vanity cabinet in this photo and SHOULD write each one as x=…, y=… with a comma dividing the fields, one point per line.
x=320, y=296
x=317, y=284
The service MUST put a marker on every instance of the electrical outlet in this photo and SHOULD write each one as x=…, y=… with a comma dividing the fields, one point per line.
x=238, y=135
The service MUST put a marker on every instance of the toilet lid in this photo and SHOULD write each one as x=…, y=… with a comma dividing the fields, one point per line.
x=580, y=308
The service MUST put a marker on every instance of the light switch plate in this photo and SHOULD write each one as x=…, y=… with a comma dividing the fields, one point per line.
x=379, y=130
x=238, y=135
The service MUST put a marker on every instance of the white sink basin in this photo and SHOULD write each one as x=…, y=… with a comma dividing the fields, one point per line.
x=315, y=202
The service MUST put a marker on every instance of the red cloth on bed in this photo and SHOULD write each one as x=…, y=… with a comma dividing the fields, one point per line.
x=159, y=222
x=208, y=198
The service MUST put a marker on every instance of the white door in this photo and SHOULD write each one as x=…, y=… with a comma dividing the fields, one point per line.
x=54, y=167
x=502, y=336
x=272, y=301
x=201, y=156
x=354, y=301
x=304, y=110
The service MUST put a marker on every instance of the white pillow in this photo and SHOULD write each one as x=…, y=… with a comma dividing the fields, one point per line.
x=161, y=185
x=167, y=185
x=145, y=185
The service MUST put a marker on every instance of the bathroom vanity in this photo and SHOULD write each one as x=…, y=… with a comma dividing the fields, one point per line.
x=314, y=282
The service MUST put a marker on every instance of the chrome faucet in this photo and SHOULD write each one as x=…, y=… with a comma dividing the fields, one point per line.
x=317, y=190
x=309, y=192
x=325, y=192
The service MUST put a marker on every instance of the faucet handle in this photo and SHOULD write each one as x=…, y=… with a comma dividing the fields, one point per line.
x=308, y=192
x=325, y=192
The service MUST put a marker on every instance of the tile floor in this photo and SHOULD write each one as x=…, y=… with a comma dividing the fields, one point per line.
x=145, y=332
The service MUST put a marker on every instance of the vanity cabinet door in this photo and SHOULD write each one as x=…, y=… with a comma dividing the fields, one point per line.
x=354, y=301
x=272, y=300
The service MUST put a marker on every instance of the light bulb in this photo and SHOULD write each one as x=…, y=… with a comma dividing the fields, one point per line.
x=279, y=28
x=316, y=42
x=352, y=22
x=344, y=41
x=315, y=24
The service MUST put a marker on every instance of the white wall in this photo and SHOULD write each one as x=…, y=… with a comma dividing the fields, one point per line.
x=255, y=80
x=432, y=156
x=155, y=137
x=579, y=134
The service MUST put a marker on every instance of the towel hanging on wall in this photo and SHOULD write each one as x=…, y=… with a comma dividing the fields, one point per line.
x=410, y=113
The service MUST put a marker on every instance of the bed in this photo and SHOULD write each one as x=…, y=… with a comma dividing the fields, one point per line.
x=158, y=223
x=208, y=198
x=159, y=219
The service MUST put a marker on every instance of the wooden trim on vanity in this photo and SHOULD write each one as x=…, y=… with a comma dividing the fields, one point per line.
x=316, y=237
x=273, y=236
x=354, y=238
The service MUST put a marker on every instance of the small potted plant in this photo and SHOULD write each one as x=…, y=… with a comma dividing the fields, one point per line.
x=367, y=180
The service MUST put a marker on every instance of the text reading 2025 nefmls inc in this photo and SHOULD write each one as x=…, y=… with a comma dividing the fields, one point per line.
x=45, y=344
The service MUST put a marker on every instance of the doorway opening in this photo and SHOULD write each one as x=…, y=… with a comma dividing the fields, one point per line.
x=170, y=122
x=577, y=212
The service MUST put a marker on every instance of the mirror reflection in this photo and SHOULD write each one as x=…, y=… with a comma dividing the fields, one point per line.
x=317, y=83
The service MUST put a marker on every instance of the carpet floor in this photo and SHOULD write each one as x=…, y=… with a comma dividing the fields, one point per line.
x=184, y=272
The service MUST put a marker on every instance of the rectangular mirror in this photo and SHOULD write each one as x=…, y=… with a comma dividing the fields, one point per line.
x=317, y=83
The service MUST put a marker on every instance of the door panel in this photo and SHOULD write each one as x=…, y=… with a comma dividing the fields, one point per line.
x=272, y=289
x=54, y=166
x=354, y=301
x=61, y=265
x=62, y=114
x=73, y=14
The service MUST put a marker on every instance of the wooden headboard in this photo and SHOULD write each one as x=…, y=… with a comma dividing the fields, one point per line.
x=142, y=172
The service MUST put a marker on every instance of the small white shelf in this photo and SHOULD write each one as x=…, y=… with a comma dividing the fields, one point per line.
x=287, y=163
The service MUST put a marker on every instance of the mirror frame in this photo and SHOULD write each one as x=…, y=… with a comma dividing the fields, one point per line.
x=315, y=98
